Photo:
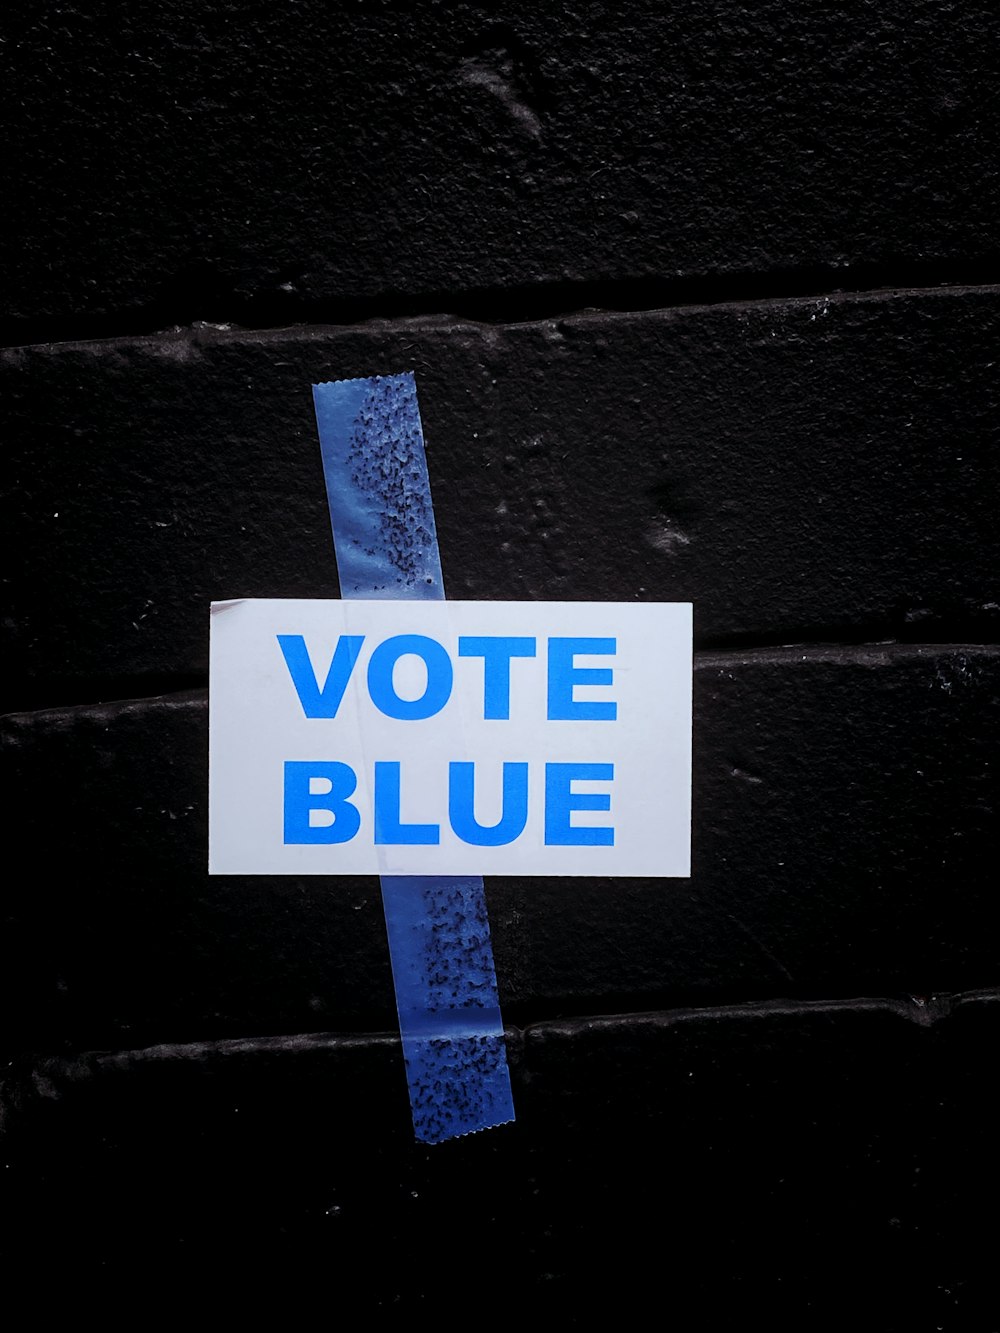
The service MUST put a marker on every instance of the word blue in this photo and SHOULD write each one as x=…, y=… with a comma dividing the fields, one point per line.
x=327, y=786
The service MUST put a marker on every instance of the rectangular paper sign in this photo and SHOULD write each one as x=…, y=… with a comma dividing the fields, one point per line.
x=450, y=738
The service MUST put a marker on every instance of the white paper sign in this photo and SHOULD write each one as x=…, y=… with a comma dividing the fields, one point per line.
x=450, y=738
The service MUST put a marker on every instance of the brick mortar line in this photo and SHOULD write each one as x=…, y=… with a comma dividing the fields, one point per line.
x=877, y=653
x=922, y=1012
x=594, y=301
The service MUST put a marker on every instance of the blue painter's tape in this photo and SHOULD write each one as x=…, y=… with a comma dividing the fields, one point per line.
x=446, y=995
x=439, y=936
x=377, y=488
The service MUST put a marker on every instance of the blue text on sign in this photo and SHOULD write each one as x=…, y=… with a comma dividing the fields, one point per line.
x=317, y=794
x=497, y=653
x=318, y=806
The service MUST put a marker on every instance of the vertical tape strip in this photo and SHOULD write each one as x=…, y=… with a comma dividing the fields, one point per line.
x=439, y=936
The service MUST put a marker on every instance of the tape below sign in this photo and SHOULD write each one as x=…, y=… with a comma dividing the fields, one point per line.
x=439, y=939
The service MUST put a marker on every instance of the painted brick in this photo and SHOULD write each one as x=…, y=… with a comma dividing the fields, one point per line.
x=797, y=469
x=844, y=803
x=802, y=1159
x=811, y=469
x=272, y=157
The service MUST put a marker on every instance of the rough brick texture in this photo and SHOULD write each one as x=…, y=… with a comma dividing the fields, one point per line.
x=205, y=155
x=844, y=812
x=796, y=469
x=820, y=1163
x=702, y=305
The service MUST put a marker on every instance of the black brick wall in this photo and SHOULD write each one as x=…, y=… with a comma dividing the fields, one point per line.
x=702, y=305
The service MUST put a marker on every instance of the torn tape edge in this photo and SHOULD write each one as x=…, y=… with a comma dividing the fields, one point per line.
x=364, y=379
x=468, y=1133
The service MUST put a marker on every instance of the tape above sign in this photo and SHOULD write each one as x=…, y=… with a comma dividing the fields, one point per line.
x=450, y=738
